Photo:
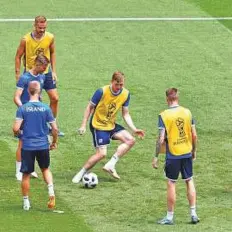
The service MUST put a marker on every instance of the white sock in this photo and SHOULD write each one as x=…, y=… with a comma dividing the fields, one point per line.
x=51, y=190
x=170, y=215
x=26, y=200
x=82, y=172
x=18, y=166
x=114, y=159
x=193, y=211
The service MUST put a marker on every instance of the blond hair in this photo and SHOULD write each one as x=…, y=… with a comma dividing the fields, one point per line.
x=34, y=88
x=40, y=19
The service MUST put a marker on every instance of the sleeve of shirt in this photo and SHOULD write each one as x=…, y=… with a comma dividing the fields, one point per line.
x=160, y=123
x=21, y=82
x=97, y=96
x=50, y=117
x=19, y=113
x=126, y=103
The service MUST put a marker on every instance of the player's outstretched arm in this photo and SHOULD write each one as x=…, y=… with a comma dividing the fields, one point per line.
x=127, y=118
x=19, y=53
x=88, y=111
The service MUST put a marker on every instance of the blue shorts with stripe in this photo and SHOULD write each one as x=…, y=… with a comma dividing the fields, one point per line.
x=102, y=137
x=28, y=160
x=175, y=166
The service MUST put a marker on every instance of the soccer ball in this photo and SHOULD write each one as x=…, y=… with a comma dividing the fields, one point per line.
x=90, y=180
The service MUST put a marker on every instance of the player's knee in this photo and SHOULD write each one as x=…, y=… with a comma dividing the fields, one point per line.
x=130, y=141
x=102, y=151
x=54, y=99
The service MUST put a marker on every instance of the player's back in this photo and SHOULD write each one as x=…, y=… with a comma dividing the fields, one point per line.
x=178, y=122
x=35, y=129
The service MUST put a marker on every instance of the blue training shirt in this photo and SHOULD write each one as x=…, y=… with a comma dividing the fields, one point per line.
x=24, y=81
x=35, y=116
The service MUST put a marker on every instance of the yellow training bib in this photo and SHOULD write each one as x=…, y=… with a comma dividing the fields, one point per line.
x=105, y=113
x=36, y=47
x=178, y=125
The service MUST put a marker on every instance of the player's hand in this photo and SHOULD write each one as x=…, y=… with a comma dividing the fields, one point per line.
x=81, y=130
x=140, y=133
x=53, y=146
x=54, y=76
x=155, y=162
x=194, y=155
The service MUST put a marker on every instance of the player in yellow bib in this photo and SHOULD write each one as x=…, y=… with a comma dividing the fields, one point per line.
x=177, y=129
x=34, y=43
x=103, y=107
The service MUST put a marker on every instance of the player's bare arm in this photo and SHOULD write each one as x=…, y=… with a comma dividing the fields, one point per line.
x=88, y=111
x=54, y=135
x=194, y=142
x=53, y=59
x=19, y=53
x=16, y=126
x=17, y=97
x=160, y=140
x=127, y=118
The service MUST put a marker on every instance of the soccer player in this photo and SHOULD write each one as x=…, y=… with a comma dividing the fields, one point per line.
x=33, y=116
x=22, y=96
x=104, y=105
x=177, y=130
x=39, y=41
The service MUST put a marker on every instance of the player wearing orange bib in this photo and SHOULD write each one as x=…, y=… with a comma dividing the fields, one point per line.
x=105, y=104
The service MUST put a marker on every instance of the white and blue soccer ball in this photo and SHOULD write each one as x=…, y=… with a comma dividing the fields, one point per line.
x=90, y=180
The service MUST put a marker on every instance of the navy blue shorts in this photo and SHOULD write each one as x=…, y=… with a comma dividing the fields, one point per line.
x=49, y=83
x=28, y=160
x=175, y=166
x=102, y=137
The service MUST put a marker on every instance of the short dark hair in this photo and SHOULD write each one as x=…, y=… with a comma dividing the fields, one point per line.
x=172, y=94
x=118, y=76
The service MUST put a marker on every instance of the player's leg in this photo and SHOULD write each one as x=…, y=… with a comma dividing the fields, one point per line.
x=50, y=87
x=25, y=185
x=18, y=174
x=172, y=169
x=100, y=140
x=91, y=162
x=43, y=159
x=54, y=98
x=27, y=167
x=127, y=142
x=187, y=175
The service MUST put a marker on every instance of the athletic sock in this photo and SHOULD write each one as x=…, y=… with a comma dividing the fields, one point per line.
x=170, y=215
x=51, y=190
x=193, y=211
x=26, y=200
x=18, y=166
x=114, y=159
